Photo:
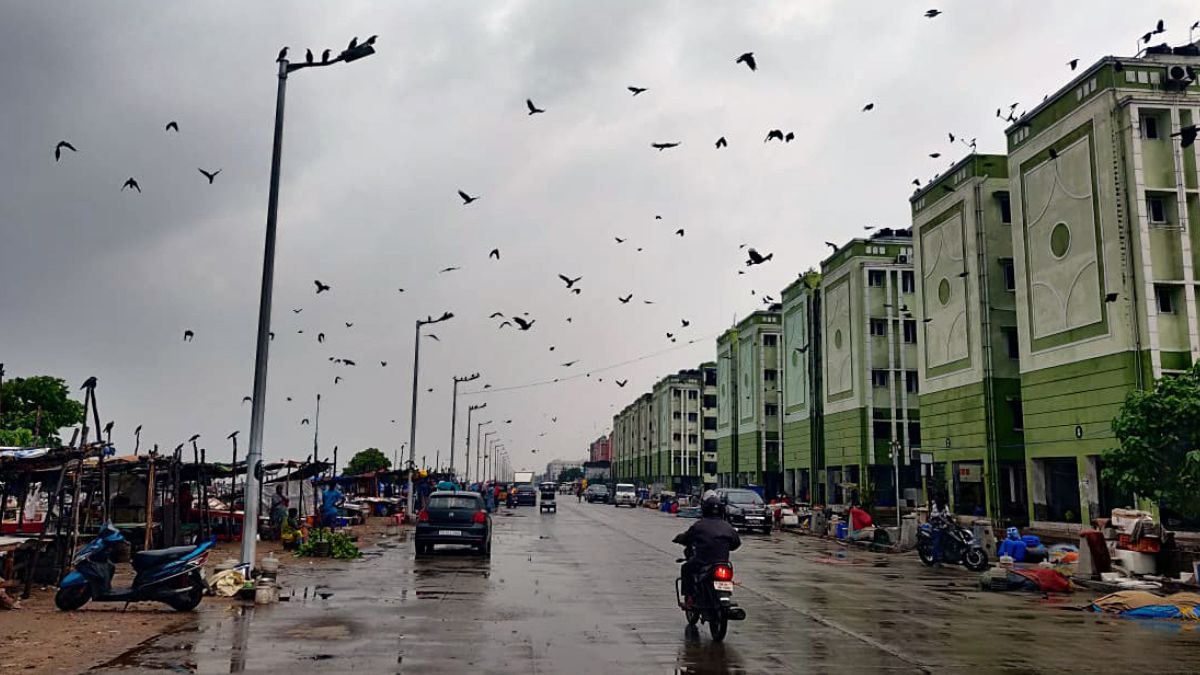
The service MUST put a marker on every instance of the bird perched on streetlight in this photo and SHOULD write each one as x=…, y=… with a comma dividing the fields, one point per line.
x=282, y=54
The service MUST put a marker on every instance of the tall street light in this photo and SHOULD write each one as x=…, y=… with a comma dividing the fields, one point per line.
x=470, y=409
x=478, y=430
x=258, y=400
x=412, y=425
x=454, y=414
x=478, y=456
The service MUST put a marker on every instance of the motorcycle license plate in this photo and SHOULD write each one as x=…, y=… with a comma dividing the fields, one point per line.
x=450, y=533
x=723, y=586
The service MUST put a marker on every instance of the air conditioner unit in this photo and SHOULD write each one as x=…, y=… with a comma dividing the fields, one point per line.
x=1180, y=75
x=902, y=259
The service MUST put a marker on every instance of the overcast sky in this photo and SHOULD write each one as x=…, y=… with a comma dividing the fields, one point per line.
x=96, y=281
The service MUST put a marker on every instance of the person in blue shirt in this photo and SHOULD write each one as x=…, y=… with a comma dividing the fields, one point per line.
x=330, y=501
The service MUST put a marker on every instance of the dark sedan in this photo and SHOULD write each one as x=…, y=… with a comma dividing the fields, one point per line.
x=454, y=518
x=744, y=509
x=524, y=495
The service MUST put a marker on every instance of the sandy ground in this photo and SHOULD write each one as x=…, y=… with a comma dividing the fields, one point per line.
x=38, y=638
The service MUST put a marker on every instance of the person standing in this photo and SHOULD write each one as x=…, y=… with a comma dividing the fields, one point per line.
x=939, y=520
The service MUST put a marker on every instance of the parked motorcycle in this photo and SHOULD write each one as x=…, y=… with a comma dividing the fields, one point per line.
x=713, y=603
x=958, y=547
x=171, y=575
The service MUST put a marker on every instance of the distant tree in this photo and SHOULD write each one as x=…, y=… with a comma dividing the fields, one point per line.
x=371, y=459
x=16, y=438
x=570, y=475
x=40, y=405
x=1159, y=432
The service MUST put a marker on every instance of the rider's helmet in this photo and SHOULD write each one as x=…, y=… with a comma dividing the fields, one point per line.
x=711, y=506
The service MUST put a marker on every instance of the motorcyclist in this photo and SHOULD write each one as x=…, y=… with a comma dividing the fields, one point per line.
x=709, y=541
x=939, y=522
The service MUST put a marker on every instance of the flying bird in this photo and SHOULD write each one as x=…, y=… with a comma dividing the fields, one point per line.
x=619, y=240
x=568, y=364
x=568, y=280
x=504, y=323
x=679, y=232
x=670, y=335
x=935, y=155
x=496, y=314
x=647, y=302
x=431, y=336
x=495, y=254
x=663, y=146
x=622, y=383
x=774, y=134
x=789, y=137
x=349, y=324
x=131, y=183
x=1073, y=63
x=209, y=175
x=868, y=107
x=533, y=109
x=1187, y=135
x=625, y=300
x=188, y=335
x=522, y=323
x=348, y=362
x=636, y=90
x=320, y=338
x=756, y=258
x=721, y=143
x=59, y=148
x=576, y=291
x=932, y=13
x=448, y=269
x=467, y=199
x=297, y=310
x=383, y=364
x=172, y=125
x=320, y=286
x=247, y=399
x=748, y=59
x=657, y=217
x=304, y=421
x=917, y=182
x=337, y=378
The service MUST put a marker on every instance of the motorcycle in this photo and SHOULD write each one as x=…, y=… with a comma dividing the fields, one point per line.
x=713, y=603
x=958, y=547
x=171, y=575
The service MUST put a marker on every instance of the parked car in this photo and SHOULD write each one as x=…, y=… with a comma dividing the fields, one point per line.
x=524, y=495
x=454, y=518
x=596, y=493
x=626, y=495
x=745, y=510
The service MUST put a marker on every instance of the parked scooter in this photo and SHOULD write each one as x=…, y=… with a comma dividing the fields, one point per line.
x=958, y=546
x=171, y=575
x=713, y=602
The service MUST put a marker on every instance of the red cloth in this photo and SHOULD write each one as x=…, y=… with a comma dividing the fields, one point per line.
x=1047, y=580
x=859, y=519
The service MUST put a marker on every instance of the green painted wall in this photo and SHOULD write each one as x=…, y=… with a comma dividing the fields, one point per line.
x=725, y=454
x=797, y=444
x=845, y=437
x=749, y=452
x=1087, y=394
x=958, y=415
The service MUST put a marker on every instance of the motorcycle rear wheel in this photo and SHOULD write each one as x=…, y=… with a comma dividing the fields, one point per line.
x=718, y=625
x=72, y=597
x=926, y=554
x=186, y=602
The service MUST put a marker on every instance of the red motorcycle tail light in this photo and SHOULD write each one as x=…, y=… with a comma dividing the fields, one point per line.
x=723, y=573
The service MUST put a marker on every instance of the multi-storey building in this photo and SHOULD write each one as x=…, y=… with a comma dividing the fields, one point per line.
x=600, y=450
x=677, y=442
x=869, y=344
x=727, y=415
x=708, y=433
x=970, y=386
x=803, y=456
x=1105, y=260
x=759, y=422
x=557, y=466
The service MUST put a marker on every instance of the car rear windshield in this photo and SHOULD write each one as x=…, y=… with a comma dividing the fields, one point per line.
x=624, y=488
x=744, y=498
x=454, y=502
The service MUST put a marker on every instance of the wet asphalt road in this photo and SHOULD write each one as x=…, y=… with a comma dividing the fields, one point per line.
x=591, y=590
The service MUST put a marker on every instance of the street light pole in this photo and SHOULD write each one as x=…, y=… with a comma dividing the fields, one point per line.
x=470, y=410
x=258, y=400
x=896, y=450
x=412, y=426
x=454, y=414
x=486, y=441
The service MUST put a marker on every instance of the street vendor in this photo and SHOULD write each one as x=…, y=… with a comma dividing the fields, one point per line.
x=279, y=508
x=861, y=524
x=330, y=501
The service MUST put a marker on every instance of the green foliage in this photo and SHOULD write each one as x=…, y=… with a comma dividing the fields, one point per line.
x=20, y=401
x=339, y=544
x=371, y=459
x=16, y=438
x=570, y=475
x=1159, y=432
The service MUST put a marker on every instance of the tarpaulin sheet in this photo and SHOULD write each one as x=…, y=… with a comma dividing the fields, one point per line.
x=1142, y=604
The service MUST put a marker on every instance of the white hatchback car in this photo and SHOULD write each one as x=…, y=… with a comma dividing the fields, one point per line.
x=626, y=495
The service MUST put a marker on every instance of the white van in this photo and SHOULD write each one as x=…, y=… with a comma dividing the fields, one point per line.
x=626, y=495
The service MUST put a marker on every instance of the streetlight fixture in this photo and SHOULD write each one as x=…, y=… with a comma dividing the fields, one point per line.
x=470, y=409
x=454, y=414
x=478, y=431
x=258, y=399
x=486, y=441
x=412, y=427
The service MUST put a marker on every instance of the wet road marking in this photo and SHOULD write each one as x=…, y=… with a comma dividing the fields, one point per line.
x=809, y=614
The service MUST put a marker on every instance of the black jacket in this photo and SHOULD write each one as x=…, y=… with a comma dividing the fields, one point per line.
x=711, y=539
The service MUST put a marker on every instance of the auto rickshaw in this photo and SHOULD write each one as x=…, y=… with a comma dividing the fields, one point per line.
x=546, y=493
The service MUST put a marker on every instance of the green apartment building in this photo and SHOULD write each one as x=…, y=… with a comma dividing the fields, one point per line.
x=1105, y=261
x=968, y=360
x=869, y=371
x=803, y=456
x=759, y=422
x=727, y=398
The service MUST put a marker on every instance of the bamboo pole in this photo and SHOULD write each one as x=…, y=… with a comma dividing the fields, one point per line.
x=148, y=541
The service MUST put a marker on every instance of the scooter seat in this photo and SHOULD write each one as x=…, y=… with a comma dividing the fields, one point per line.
x=148, y=559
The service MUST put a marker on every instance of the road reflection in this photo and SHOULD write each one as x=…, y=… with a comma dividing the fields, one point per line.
x=699, y=655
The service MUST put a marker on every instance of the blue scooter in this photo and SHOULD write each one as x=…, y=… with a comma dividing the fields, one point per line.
x=170, y=575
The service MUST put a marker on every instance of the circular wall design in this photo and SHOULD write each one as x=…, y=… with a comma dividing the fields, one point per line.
x=944, y=291
x=1060, y=239
x=837, y=338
